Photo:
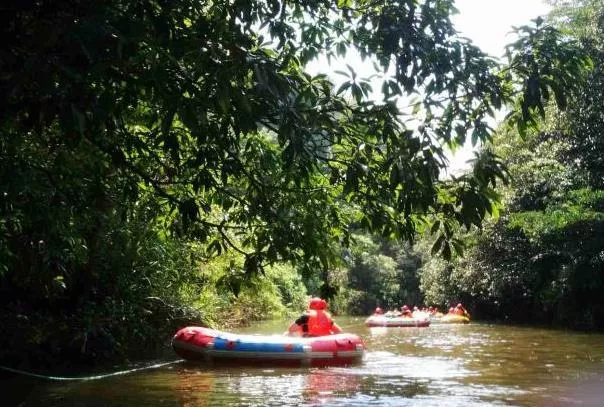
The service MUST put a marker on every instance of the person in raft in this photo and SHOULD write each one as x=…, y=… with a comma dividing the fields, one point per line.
x=460, y=310
x=315, y=321
x=405, y=311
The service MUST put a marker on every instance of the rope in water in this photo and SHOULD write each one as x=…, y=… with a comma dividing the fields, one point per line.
x=97, y=377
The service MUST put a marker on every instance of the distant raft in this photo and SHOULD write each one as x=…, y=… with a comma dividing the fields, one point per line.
x=204, y=344
x=392, y=321
x=454, y=319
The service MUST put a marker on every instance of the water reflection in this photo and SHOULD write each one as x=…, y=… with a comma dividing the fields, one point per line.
x=326, y=385
x=253, y=388
x=196, y=387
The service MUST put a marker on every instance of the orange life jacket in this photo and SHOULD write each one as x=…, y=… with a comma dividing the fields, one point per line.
x=319, y=323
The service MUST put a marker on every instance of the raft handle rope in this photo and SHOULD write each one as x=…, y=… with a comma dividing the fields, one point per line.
x=87, y=378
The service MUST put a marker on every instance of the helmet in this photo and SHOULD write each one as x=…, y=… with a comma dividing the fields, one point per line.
x=405, y=307
x=415, y=308
x=317, y=304
x=459, y=305
x=378, y=310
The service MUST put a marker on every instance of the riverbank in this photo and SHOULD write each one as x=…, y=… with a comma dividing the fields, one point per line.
x=56, y=343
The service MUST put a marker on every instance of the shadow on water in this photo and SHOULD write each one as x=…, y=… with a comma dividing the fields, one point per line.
x=442, y=365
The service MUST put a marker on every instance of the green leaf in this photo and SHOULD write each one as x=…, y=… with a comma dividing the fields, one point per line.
x=437, y=245
x=446, y=251
x=435, y=226
x=458, y=246
x=479, y=133
x=214, y=248
x=344, y=87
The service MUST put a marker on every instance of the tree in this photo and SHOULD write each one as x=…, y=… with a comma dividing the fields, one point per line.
x=586, y=115
x=541, y=261
x=207, y=105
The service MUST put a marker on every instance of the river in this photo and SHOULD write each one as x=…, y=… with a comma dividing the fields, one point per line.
x=442, y=365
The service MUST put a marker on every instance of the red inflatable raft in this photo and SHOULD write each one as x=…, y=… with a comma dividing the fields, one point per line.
x=197, y=343
x=402, y=322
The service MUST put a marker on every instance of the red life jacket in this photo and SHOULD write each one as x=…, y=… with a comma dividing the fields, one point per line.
x=319, y=323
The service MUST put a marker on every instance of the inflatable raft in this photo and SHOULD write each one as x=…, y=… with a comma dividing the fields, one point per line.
x=454, y=319
x=387, y=321
x=204, y=344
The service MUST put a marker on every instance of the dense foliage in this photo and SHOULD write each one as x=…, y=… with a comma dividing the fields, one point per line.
x=543, y=259
x=206, y=104
x=140, y=139
x=377, y=273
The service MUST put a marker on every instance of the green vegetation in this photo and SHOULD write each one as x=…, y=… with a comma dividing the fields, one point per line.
x=377, y=273
x=542, y=260
x=172, y=162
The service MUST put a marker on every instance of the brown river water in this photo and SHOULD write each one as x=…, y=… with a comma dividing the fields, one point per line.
x=441, y=365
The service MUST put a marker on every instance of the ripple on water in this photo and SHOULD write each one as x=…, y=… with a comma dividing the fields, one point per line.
x=412, y=367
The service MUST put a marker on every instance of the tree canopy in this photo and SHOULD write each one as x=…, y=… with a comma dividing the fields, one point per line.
x=207, y=106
